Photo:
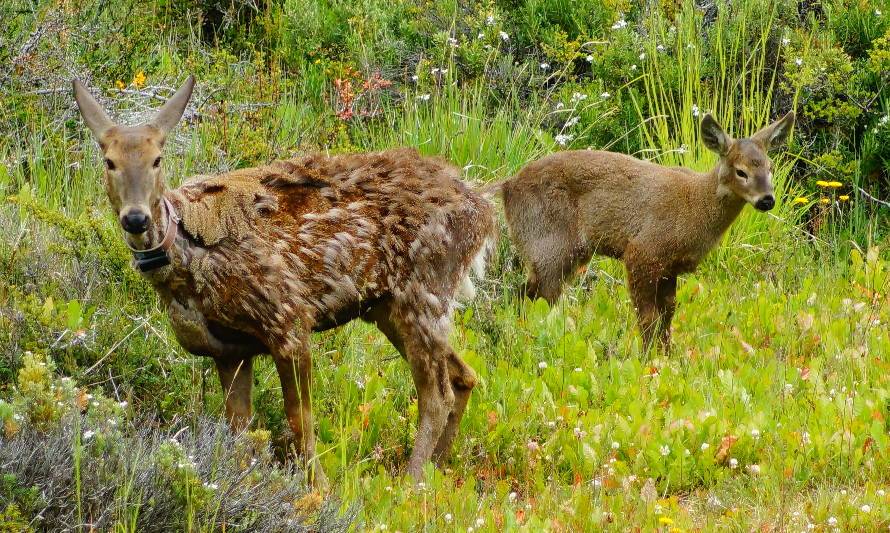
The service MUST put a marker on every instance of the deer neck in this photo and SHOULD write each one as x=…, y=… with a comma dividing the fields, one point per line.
x=724, y=205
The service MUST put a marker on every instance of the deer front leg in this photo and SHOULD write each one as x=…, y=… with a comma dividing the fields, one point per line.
x=665, y=301
x=236, y=378
x=642, y=284
x=295, y=372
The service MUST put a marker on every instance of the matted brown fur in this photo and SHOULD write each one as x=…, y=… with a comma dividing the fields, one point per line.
x=660, y=221
x=264, y=256
x=268, y=254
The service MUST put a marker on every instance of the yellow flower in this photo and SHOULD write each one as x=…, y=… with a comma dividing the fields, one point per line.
x=824, y=201
x=675, y=530
x=665, y=521
x=834, y=184
x=801, y=200
x=120, y=85
x=139, y=79
x=822, y=183
x=843, y=197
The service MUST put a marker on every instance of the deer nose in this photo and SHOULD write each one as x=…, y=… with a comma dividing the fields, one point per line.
x=135, y=222
x=766, y=203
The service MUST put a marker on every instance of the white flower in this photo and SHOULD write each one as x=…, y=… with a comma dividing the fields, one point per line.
x=683, y=149
x=733, y=463
x=480, y=35
x=785, y=41
x=542, y=365
x=512, y=496
x=577, y=369
x=533, y=446
x=615, y=445
x=87, y=435
x=579, y=433
x=866, y=508
x=423, y=97
x=643, y=56
x=705, y=446
x=545, y=66
x=885, y=119
x=881, y=493
x=452, y=41
x=605, y=95
x=805, y=437
x=658, y=509
x=448, y=518
x=754, y=469
x=490, y=20
x=755, y=433
x=480, y=522
x=414, y=77
x=665, y=451
x=504, y=36
x=798, y=61
x=832, y=521
x=633, y=67
x=470, y=529
x=382, y=527
x=694, y=110
x=577, y=97
x=559, y=105
x=569, y=123
x=620, y=24
x=122, y=404
x=211, y=486
x=562, y=139
x=878, y=12
x=589, y=58
x=660, y=48
x=789, y=388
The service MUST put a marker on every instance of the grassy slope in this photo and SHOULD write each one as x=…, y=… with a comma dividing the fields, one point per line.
x=777, y=388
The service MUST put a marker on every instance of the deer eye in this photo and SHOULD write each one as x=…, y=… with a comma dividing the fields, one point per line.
x=741, y=174
x=109, y=164
x=157, y=162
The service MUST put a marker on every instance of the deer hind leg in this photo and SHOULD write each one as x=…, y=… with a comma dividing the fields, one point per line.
x=549, y=272
x=236, y=378
x=294, y=365
x=463, y=379
x=427, y=354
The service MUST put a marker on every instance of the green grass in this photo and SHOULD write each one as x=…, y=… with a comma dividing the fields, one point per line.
x=772, y=411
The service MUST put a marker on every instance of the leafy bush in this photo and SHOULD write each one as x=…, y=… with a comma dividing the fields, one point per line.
x=69, y=458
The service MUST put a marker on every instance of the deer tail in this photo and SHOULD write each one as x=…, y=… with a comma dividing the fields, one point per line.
x=492, y=189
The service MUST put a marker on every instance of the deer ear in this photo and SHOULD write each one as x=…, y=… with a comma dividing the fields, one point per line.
x=776, y=133
x=714, y=137
x=171, y=112
x=93, y=115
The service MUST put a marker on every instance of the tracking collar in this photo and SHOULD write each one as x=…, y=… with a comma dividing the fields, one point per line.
x=153, y=258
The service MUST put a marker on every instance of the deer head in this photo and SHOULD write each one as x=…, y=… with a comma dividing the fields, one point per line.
x=745, y=169
x=132, y=155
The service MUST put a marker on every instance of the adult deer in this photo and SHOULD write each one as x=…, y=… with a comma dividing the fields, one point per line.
x=659, y=221
x=253, y=261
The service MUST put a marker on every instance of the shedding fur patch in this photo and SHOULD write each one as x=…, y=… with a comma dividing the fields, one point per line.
x=227, y=206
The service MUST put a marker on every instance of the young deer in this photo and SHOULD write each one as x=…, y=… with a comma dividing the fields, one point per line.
x=253, y=261
x=659, y=221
